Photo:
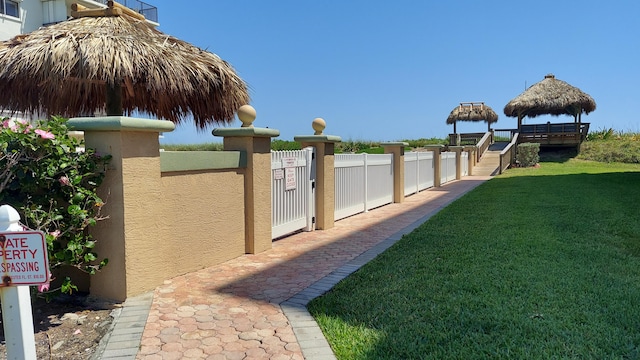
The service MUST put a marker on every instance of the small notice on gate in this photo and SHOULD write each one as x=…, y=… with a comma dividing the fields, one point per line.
x=289, y=173
x=24, y=258
x=290, y=178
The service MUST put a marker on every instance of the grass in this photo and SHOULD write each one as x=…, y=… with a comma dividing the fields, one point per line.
x=538, y=263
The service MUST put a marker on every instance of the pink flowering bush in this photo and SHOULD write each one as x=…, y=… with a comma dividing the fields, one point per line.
x=53, y=186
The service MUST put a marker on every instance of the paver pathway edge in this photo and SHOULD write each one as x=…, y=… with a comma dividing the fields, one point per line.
x=312, y=342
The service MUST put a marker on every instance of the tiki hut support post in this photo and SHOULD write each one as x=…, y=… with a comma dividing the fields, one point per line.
x=579, y=120
x=114, y=100
x=520, y=117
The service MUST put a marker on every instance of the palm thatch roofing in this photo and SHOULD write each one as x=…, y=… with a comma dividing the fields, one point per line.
x=472, y=111
x=100, y=63
x=550, y=97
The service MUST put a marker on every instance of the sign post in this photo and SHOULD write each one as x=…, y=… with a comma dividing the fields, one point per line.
x=24, y=263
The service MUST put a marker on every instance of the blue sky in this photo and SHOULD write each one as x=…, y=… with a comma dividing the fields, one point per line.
x=394, y=70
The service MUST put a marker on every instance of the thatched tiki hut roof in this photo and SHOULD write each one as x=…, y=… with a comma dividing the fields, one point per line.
x=550, y=97
x=112, y=60
x=472, y=111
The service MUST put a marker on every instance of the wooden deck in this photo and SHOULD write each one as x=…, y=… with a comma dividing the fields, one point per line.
x=563, y=134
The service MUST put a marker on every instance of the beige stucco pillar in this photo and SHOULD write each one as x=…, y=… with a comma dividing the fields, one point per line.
x=130, y=190
x=256, y=142
x=437, y=163
x=325, y=172
x=397, y=149
x=471, y=150
x=458, y=151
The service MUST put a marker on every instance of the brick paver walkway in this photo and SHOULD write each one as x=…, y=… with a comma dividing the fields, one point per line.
x=233, y=310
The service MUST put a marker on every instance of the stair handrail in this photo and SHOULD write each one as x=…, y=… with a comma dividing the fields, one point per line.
x=508, y=154
x=483, y=144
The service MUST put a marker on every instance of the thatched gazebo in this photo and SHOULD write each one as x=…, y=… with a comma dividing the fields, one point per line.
x=113, y=61
x=472, y=111
x=550, y=97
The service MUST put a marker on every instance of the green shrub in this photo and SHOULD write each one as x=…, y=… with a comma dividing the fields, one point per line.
x=278, y=145
x=53, y=187
x=355, y=147
x=528, y=154
x=373, y=150
x=624, y=150
x=603, y=134
x=424, y=142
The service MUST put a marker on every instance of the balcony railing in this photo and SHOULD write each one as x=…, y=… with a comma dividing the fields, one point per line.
x=150, y=12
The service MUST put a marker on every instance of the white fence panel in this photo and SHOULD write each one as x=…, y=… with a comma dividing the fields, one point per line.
x=351, y=180
x=362, y=182
x=427, y=172
x=465, y=163
x=411, y=171
x=292, y=195
x=379, y=180
x=448, y=163
x=418, y=171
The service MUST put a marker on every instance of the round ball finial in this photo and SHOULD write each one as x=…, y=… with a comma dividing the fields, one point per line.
x=247, y=114
x=9, y=219
x=318, y=125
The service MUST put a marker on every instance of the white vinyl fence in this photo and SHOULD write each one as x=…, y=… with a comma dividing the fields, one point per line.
x=464, y=157
x=363, y=182
x=418, y=171
x=448, y=164
x=292, y=184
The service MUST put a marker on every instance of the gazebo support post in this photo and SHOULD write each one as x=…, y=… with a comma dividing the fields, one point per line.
x=113, y=104
x=520, y=121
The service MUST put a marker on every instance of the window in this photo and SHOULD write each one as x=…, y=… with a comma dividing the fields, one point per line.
x=10, y=8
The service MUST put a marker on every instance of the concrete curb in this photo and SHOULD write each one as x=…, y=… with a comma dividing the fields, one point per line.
x=123, y=340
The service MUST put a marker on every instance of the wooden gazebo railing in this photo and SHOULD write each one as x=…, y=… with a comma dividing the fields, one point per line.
x=564, y=134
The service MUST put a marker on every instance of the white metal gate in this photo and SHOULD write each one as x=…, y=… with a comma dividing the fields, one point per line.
x=292, y=191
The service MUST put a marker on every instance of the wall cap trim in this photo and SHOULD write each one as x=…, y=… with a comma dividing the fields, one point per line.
x=119, y=123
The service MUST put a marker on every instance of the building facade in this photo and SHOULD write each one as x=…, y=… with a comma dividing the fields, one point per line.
x=24, y=16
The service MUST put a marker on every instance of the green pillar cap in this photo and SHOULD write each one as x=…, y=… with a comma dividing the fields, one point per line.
x=246, y=132
x=318, y=138
x=119, y=123
x=396, y=143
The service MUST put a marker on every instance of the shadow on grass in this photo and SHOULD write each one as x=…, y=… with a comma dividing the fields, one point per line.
x=557, y=154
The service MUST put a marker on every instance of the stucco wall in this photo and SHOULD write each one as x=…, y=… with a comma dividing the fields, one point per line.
x=173, y=222
x=168, y=215
x=204, y=220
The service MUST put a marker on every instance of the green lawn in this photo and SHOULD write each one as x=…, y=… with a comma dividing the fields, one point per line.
x=538, y=263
